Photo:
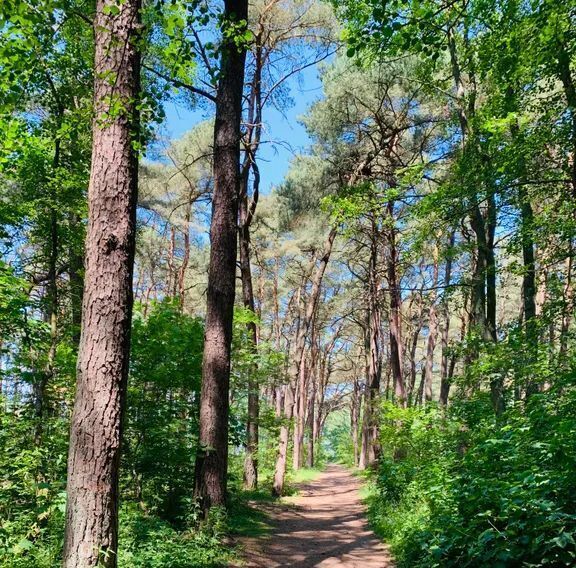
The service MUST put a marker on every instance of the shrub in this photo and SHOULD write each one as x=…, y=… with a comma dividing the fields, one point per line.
x=497, y=494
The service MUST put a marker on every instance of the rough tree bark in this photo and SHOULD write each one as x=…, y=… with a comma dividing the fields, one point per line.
x=373, y=360
x=94, y=455
x=212, y=457
x=395, y=316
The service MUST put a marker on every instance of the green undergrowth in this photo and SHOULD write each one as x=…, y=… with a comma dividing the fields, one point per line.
x=149, y=542
x=247, y=516
x=304, y=475
x=146, y=541
x=465, y=489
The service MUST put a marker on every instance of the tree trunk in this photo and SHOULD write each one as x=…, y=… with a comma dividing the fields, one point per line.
x=76, y=284
x=323, y=378
x=51, y=309
x=497, y=383
x=186, y=257
x=529, y=282
x=369, y=449
x=251, y=459
x=413, y=348
x=420, y=394
x=444, y=376
x=567, y=305
x=247, y=210
x=491, y=268
x=311, y=431
x=432, y=333
x=355, y=418
x=374, y=362
x=310, y=422
x=212, y=457
x=395, y=316
x=171, y=276
x=478, y=295
x=280, y=471
x=365, y=432
x=529, y=288
x=300, y=411
x=94, y=455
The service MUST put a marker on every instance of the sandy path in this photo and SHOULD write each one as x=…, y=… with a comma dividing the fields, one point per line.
x=324, y=526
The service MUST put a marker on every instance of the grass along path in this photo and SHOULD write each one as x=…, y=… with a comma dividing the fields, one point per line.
x=323, y=526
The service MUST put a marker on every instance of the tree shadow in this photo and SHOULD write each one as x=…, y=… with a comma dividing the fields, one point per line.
x=326, y=527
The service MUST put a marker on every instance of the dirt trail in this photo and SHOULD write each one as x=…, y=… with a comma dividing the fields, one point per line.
x=324, y=526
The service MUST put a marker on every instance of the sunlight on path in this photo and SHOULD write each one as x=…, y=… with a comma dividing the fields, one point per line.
x=324, y=526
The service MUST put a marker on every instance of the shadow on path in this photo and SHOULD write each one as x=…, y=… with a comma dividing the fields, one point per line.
x=323, y=526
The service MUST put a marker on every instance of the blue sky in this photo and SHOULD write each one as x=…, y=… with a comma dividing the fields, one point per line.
x=283, y=136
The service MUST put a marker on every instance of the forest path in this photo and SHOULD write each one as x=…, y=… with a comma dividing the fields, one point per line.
x=323, y=526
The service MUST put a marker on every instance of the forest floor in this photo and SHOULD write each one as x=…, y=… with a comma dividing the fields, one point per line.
x=323, y=526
